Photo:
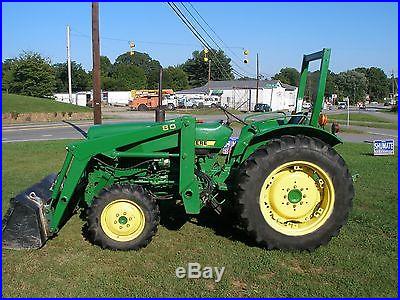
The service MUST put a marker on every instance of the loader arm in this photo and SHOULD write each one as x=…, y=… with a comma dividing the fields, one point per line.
x=80, y=153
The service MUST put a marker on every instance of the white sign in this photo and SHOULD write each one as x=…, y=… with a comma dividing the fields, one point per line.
x=384, y=147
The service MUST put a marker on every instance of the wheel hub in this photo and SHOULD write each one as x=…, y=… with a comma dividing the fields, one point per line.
x=122, y=220
x=297, y=198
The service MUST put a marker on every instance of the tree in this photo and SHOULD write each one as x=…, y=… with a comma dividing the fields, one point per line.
x=353, y=84
x=289, y=76
x=378, y=87
x=197, y=68
x=105, y=66
x=151, y=67
x=331, y=85
x=175, y=78
x=32, y=75
x=128, y=77
x=7, y=74
x=80, y=79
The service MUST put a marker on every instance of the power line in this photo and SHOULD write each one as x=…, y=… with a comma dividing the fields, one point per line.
x=211, y=38
x=205, y=44
x=198, y=36
x=202, y=39
x=79, y=34
x=223, y=43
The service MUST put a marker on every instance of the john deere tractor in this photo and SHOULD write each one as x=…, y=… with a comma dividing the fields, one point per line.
x=289, y=187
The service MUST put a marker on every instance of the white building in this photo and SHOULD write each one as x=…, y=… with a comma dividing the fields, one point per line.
x=116, y=98
x=241, y=94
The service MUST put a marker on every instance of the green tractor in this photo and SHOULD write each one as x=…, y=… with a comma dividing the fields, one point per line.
x=288, y=186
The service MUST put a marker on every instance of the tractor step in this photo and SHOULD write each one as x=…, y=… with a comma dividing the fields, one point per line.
x=25, y=225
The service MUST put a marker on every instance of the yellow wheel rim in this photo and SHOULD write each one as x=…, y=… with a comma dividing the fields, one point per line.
x=297, y=198
x=122, y=220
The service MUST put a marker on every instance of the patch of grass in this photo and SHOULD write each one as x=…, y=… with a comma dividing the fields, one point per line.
x=26, y=104
x=360, y=262
x=350, y=130
x=363, y=117
x=368, y=124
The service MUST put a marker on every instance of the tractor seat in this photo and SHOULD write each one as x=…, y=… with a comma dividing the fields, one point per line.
x=296, y=119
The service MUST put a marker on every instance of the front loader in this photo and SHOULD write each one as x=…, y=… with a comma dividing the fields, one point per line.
x=289, y=187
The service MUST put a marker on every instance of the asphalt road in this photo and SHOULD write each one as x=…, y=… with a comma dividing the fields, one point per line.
x=56, y=131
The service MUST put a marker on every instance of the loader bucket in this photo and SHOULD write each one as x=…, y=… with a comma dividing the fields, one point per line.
x=25, y=225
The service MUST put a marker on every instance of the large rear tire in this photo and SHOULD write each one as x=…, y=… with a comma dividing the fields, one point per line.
x=123, y=217
x=294, y=193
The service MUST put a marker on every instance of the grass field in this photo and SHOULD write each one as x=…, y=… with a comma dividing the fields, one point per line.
x=360, y=262
x=362, y=119
x=26, y=104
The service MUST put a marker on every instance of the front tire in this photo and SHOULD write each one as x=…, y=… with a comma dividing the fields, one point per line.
x=143, y=107
x=123, y=217
x=294, y=193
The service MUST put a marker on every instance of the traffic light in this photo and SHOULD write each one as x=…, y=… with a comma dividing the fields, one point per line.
x=132, y=46
x=205, y=55
x=246, y=60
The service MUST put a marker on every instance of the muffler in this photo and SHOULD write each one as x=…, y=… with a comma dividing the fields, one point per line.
x=25, y=225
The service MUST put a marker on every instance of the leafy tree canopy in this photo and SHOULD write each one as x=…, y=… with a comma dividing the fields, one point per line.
x=197, y=68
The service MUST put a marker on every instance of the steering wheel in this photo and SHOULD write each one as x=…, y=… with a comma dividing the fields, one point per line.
x=229, y=115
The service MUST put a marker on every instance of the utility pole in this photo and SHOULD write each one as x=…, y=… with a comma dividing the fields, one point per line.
x=160, y=112
x=69, y=66
x=393, y=96
x=258, y=80
x=96, y=64
x=209, y=75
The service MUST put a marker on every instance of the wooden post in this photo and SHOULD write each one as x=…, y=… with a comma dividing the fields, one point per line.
x=160, y=112
x=96, y=64
x=258, y=80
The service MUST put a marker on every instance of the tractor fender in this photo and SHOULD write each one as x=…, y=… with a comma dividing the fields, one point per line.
x=262, y=138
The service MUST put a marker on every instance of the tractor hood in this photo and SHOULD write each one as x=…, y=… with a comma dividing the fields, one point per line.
x=97, y=131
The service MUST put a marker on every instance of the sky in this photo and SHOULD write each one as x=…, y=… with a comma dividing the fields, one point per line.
x=359, y=34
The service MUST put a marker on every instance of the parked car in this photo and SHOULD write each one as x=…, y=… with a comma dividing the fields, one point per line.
x=211, y=102
x=262, y=107
x=361, y=105
x=374, y=103
x=307, y=105
x=342, y=105
x=190, y=102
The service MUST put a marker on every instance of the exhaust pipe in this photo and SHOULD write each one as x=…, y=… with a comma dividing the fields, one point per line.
x=25, y=225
